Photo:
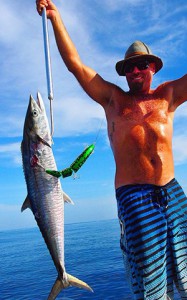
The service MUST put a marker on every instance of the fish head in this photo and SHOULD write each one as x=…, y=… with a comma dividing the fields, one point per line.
x=36, y=125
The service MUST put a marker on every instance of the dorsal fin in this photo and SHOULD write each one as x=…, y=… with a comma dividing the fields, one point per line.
x=26, y=204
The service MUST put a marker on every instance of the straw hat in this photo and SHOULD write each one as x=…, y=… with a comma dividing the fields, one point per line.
x=138, y=50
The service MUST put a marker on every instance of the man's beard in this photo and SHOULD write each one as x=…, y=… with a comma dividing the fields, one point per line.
x=136, y=86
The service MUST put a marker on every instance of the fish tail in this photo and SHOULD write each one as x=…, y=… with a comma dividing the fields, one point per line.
x=56, y=289
x=73, y=281
x=62, y=284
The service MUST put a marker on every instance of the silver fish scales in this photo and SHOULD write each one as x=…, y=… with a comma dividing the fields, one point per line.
x=45, y=196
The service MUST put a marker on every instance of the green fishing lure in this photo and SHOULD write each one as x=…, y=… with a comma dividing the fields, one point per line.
x=75, y=166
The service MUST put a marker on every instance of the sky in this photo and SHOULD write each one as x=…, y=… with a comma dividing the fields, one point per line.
x=101, y=31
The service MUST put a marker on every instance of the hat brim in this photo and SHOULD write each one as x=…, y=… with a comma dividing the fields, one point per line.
x=120, y=65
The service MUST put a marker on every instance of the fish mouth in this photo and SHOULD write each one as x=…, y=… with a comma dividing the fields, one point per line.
x=39, y=102
x=35, y=109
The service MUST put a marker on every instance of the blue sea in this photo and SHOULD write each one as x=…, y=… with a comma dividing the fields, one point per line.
x=92, y=254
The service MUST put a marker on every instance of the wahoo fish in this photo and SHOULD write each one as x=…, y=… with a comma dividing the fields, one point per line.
x=45, y=196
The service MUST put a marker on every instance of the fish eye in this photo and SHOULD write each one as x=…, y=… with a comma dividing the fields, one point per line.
x=35, y=113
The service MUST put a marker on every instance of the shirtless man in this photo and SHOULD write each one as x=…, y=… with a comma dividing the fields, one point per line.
x=152, y=206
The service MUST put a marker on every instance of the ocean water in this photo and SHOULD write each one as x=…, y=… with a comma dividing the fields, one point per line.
x=92, y=254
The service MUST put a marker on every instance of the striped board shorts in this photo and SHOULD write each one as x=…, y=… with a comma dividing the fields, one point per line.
x=153, y=240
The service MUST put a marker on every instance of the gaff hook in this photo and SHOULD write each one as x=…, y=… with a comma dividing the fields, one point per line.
x=48, y=66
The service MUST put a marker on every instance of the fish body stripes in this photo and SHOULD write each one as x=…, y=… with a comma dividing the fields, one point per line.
x=153, y=240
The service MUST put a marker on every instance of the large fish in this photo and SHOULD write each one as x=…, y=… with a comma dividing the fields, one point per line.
x=45, y=196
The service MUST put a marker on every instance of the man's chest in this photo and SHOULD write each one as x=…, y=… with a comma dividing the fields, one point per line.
x=140, y=120
x=142, y=111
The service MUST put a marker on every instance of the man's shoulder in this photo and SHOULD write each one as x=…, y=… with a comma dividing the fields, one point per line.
x=163, y=86
x=118, y=96
x=164, y=89
x=119, y=92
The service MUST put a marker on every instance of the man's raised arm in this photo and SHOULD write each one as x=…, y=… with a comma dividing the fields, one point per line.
x=179, y=91
x=93, y=84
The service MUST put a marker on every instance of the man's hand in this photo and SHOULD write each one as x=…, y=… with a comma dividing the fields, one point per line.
x=51, y=9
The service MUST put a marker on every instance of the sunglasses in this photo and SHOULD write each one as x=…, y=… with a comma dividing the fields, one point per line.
x=141, y=65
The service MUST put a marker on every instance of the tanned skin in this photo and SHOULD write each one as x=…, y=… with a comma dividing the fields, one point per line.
x=140, y=122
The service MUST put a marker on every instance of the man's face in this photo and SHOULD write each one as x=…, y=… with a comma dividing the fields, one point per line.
x=139, y=74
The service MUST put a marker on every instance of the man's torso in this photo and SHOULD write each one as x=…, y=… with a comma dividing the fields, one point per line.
x=140, y=133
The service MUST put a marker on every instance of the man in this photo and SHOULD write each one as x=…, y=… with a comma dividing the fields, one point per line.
x=152, y=206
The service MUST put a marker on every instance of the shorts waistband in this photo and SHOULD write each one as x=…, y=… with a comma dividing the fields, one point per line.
x=148, y=185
